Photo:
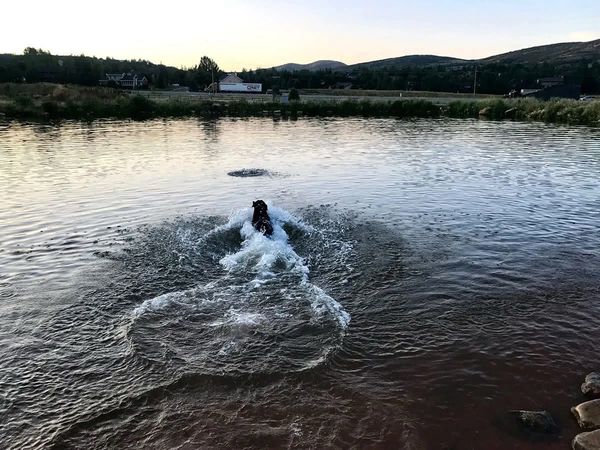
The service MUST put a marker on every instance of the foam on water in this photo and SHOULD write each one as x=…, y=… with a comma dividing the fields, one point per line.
x=235, y=317
x=263, y=255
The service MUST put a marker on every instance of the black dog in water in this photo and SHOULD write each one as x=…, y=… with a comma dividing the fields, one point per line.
x=260, y=219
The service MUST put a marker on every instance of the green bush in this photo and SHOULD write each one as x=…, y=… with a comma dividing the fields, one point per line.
x=24, y=101
x=294, y=95
x=51, y=108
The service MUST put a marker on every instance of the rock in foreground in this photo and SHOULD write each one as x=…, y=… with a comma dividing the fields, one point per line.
x=538, y=421
x=591, y=385
x=587, y=441
x=588, y=414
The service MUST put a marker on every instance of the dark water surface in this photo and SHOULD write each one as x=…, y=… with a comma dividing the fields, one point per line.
x=424, y=278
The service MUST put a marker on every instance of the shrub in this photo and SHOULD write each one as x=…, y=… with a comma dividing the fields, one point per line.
x=50, y=107
x=141, y=107
x=24, y=101
x=294, y=95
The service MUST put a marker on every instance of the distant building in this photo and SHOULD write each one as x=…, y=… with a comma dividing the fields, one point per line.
x=233, y=83
x=341, y=85
x=571, y=91
x=549, y=87
x=125, y=80
x=525, y=92
x=550, y=81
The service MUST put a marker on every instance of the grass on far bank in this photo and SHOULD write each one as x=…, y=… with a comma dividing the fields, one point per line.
x=52, y=101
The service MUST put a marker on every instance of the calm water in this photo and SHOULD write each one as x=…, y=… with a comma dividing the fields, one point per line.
x=424, y=278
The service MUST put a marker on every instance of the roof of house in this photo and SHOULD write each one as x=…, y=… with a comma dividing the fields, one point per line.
x=231, y=78
x=115, y=76
x=124, y=76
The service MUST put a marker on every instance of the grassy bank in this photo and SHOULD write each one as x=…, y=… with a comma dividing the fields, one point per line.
x=49, y=101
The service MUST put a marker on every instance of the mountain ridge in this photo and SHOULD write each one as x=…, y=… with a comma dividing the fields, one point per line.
x=562, y=52
x=320, y=64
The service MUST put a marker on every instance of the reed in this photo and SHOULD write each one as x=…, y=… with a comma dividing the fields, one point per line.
x=554, y=111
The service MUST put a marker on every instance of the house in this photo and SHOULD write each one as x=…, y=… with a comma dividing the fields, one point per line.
x=550, y=81
x=572, y=91
x=125, y=80
x=232, y=83
x=550, y=87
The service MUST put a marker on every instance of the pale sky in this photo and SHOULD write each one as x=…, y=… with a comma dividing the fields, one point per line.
x=250, y=34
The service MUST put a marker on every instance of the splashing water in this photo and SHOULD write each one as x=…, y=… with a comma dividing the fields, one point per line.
x=254, y=316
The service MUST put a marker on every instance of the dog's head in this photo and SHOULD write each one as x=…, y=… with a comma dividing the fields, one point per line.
x=260, y=205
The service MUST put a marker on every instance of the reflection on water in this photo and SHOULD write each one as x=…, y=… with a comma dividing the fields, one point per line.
x=464, y=252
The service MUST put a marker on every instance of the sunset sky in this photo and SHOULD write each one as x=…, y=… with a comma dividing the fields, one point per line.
x=249, y=34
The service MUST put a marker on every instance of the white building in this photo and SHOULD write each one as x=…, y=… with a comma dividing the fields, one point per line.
x=125, y=80
x=233, y=83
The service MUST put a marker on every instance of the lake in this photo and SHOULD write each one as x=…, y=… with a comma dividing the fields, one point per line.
x=424, y=278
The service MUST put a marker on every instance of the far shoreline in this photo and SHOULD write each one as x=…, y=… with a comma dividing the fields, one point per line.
x=45, y=101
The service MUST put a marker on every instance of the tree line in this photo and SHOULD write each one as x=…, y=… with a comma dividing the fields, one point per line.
x=494, y=78
x=36, y=65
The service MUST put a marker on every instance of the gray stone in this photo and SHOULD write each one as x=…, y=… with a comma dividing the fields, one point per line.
x=587, y=441
x=588, y=414
x=591, y=385
x=485, y=111
x=539, y=421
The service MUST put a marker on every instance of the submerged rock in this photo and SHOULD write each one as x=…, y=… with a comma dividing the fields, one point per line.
x=587, y=441
x=249, y=173
x=538, y=421
x=588, y=414
x=591, y=385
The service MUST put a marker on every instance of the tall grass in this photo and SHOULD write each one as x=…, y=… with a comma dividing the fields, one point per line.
x=554, y=111
x=74, y=102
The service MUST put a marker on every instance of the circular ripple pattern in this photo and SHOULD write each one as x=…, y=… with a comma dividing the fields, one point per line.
x=259, y=314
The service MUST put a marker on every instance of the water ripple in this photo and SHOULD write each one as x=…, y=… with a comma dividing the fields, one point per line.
x=465, y=253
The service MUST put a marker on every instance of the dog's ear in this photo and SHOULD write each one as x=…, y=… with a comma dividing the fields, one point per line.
x=254, y=204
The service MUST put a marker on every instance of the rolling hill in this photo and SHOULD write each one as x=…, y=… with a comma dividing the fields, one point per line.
x=566, y=52
x=317, y=65
x=557, y=54
x=408, y=61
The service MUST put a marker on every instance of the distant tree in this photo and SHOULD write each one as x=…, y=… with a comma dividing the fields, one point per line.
x=31, y=51
x=207, y=71
x=162, y=79
x=294, y=95
x=208, y=65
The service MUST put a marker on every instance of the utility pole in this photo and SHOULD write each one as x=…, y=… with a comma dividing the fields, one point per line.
x=475, y=82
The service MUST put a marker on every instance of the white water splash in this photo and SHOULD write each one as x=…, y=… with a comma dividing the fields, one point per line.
x=266, y=258
x=262, y=255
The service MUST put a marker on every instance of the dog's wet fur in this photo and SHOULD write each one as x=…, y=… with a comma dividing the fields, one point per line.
x=260, y=219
